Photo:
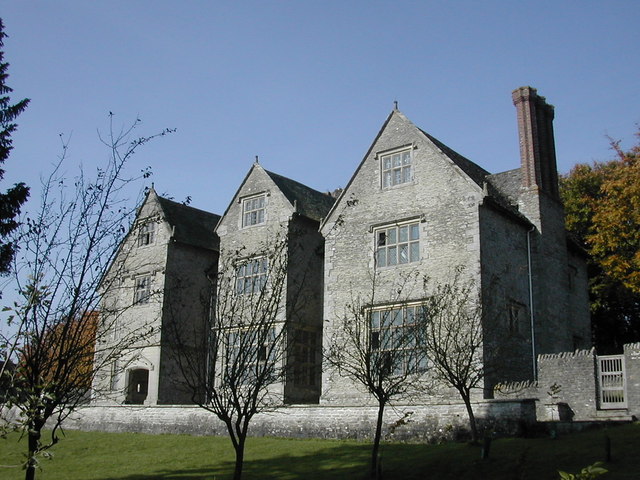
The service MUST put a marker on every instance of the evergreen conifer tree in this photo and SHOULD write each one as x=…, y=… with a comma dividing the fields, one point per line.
x=14, y=197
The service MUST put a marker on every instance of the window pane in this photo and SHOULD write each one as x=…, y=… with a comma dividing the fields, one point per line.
x=406, y=158
x=391, y=236
x=386, y=179
x=403, y=253
x=375, y=340
x=385, y=339
x=397, y=316
x=397, y=177
x=414, y=252
x=375, y=320
x=392, y=256
x=406, y=174
x=403, y=233
x=382, y=238
x=410, y=316
x=396, y=160
x=382, y=257
x=386, y=163
x=414, y=233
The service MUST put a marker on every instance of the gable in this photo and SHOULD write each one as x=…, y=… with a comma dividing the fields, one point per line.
x=434, y=167
x=264, y=196
x=259, y=196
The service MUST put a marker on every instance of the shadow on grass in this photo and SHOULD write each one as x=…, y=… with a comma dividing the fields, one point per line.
x=343, y=461
x=511, y=459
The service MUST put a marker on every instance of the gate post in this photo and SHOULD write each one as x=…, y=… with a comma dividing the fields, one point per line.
x=632, y=360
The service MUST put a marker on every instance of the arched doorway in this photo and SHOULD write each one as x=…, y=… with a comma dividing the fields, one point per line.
x=138, y=386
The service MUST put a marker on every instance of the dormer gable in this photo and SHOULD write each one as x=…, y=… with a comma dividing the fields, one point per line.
x=264, y=197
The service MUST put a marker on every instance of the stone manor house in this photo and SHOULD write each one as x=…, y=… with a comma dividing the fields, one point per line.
x=412, y=205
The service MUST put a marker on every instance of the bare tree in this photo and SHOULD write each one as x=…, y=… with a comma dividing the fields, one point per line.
x=240, y=369
x=453, y=339
x=375, y=343
x=60, y=339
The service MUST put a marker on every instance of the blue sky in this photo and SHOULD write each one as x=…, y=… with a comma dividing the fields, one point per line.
x=306, y=85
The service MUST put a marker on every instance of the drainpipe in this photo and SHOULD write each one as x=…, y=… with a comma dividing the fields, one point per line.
x=531, y=316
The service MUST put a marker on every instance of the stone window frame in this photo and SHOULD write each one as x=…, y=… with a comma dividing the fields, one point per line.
x=251, y=275
x=388, y=242
x=255, y=215
x=146, y=233
x=142, y=289
x=394, y=175
x=384, y=318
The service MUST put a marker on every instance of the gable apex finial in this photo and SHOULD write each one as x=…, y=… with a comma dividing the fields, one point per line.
x=257, y=161
x=395, y=104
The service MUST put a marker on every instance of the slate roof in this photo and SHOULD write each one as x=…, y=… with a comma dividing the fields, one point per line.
x=474, y=172
x=502, y=189
x=507, y=183
x=191, y=226
x=309, y=202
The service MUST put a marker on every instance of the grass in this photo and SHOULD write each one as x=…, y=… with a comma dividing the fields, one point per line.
x=126, y=456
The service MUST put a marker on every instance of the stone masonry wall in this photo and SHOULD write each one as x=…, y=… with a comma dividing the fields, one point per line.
x=568, y=379
x=507, y=326
x=423, y=423
x=632, y=367
x=439, y=197
x=575, y=375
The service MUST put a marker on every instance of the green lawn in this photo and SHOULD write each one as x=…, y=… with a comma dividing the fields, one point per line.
x=101, y=456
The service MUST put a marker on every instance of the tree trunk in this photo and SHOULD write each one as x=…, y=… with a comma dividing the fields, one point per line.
x=237, y=472
x=472, y=418
x=34, y=440
x=376, y=441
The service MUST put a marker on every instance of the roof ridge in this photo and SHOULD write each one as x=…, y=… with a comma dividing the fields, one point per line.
x=183, y=205
x=472, y=169
x=308, y=201
x=271, y=174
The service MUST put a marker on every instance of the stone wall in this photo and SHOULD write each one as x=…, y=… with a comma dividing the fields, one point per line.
x=424, y=423
x=566, y=389
x=569, y=378
x=632, y=366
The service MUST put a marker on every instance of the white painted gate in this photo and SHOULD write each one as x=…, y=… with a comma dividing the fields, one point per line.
x=611, y=381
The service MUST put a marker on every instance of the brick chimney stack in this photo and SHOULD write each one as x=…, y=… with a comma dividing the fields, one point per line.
x=537, y=146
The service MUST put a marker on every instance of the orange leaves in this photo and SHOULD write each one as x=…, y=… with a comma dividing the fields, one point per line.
x=602, y=204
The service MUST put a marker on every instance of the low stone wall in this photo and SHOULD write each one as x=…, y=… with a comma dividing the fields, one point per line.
x=566, y=389
x=419, y=423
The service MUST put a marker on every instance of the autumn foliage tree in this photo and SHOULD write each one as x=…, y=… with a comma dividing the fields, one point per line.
x=70, y=338
x=602, y=204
